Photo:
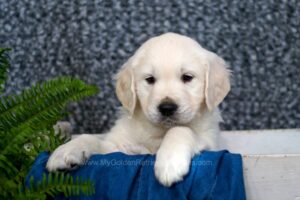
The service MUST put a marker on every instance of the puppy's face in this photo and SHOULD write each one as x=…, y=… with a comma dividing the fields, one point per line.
x=171, y=78
x=169, y=84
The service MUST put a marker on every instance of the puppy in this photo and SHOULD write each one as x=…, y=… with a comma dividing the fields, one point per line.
x=169, y=89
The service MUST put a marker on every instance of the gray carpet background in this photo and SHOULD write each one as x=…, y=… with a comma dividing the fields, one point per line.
x=90, y=39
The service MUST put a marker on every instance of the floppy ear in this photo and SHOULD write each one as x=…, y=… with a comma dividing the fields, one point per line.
x=125, y=88
x=217, y=83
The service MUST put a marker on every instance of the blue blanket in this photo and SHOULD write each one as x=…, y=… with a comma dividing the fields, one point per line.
x=213, y=175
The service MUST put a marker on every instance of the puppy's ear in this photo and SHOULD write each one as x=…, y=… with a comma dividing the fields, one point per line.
x=217, y=81
x=125, y=87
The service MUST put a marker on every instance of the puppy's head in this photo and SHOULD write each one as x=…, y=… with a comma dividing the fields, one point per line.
x=172, y=78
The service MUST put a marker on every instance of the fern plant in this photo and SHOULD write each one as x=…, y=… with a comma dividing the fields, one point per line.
x=4, y=64
x=26, y=129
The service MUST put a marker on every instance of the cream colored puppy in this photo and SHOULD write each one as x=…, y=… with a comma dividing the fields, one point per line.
x=170, y=89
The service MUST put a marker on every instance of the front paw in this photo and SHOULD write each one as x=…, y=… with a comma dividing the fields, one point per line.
x=170, y=168
x=67, y=157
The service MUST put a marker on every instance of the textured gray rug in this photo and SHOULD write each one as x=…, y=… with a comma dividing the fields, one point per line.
x=90, y=39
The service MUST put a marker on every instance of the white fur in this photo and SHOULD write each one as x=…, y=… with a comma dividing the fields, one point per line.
x=141, y=129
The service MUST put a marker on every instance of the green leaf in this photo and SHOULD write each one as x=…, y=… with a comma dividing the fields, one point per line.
x=4, y=65
x=56, y=183
x=38, y=108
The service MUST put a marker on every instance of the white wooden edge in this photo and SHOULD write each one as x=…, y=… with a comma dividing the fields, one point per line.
x=271, y=162
x=280, y=141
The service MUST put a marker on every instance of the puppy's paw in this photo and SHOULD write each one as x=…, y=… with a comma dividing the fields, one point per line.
x=170, y=168
x=67, y=157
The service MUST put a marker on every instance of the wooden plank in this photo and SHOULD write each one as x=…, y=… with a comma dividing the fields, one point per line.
x=274, y=177
x=271, y=162
x=282, y=141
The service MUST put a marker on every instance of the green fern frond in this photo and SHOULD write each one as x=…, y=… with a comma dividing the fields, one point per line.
x=47, y=140
x=4, y=64
x=7, y=167
x=55, y=93
x=56, y=183
x=38, y=108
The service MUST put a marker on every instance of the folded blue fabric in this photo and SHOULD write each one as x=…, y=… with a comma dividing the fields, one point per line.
x=213, y=175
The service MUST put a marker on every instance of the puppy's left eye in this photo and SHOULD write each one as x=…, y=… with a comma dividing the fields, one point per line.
x=150, y=80
x=187, y=78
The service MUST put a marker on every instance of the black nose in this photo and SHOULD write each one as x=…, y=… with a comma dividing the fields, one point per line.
x=167, y=108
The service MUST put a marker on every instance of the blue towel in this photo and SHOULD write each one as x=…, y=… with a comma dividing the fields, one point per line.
x=213, y=175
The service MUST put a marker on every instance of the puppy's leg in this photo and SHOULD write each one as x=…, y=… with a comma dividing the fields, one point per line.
x=174, y=155
x=77, y=151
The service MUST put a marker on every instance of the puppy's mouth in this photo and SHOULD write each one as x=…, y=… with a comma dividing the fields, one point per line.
x=168, y=121
x=164, y=121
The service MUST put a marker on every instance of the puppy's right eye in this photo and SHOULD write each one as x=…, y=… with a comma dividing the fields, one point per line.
x=150, y=80
x=186, y=78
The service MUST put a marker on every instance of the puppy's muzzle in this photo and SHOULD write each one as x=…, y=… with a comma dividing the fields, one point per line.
x=167, y=109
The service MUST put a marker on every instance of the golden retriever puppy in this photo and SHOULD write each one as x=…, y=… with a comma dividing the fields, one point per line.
x=170, y=89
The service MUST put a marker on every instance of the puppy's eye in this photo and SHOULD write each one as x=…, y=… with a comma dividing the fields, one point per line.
x=150, y=80
x=186, y=78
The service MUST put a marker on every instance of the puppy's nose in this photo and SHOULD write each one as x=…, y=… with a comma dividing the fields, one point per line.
x=167, y=108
